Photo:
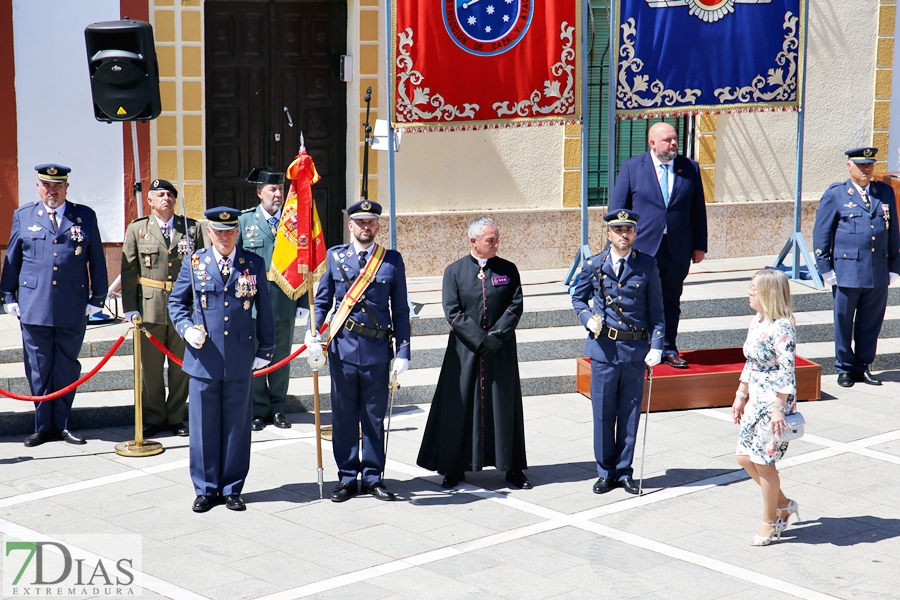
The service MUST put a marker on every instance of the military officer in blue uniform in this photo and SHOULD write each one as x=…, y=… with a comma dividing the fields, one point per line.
x=361, y=351
x=211, y=308
x=618, y=298
x=858, y=253
x=54, y=277
x=257, y=233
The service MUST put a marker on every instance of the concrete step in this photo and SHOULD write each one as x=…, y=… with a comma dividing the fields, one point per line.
x=714, y=290
x=96, y=409
x=533, y=345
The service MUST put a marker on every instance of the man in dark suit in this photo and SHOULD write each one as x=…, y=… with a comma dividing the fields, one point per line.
x=154, y=248
x=858, y=253
x=362, y=347
x=665, y=189
x=617, y=298
x=54, y=277
x=258, y=227
x=210, y=307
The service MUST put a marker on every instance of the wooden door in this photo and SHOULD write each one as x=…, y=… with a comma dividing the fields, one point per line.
x=262, y=58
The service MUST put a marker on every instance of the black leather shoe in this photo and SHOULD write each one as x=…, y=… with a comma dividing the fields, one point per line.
x=203, y=503
x=257, y=424
x=603, y=485
x=451, y=480
x=673, y=360
x=380, y=492
x=280, y=421
x=72, y=437
x=180, y=430
x=235, y=502
x=39, y=437
x=518, y=479
x=343, y=492
x=845, y=380
x=150, y=430
x=629, y=485
x=867, y=377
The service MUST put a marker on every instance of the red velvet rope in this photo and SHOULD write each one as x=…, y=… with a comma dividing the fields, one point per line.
x=71, y=387
x=258, y=373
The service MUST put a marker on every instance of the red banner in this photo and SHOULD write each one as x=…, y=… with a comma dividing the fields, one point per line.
x=469, y=64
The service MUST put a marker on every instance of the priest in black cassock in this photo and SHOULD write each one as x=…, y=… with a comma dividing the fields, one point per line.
x=476, y=416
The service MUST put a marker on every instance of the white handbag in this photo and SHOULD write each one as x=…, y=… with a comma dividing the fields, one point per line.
x=793, y=429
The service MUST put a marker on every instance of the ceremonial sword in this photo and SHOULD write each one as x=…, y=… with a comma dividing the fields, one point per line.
x=646, y=422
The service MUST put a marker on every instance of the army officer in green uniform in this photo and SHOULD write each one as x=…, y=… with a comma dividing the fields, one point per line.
x=154, y=249
x=258, y=227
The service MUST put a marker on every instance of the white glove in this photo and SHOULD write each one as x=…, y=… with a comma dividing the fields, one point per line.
x=830, y=278
x=400, y=365
x=12, y=308
x=90, y=310
x=259, y=363
x=894, y=277
x=313, y=342
x=653, y=358
x=127, y=316
x=592, y=325
x=302, y=316
x=194, y=337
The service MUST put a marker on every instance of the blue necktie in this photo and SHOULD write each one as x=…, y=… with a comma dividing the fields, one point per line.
x=664, y=183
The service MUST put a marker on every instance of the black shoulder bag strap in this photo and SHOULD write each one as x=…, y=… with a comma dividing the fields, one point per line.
x=599, y=276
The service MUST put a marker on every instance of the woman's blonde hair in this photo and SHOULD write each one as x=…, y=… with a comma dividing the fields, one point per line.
x=774, y=294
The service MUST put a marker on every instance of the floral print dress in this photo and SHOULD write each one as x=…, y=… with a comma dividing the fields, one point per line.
x=769, y=371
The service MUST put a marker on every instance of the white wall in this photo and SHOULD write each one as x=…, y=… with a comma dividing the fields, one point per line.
x=55, y=117
x=756, y=152
x=493, y=169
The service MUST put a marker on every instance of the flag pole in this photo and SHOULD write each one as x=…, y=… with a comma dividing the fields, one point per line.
x=310, y=279
x=320, y=471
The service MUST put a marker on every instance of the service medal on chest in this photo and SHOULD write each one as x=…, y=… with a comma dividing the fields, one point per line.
x=77, y=250
x=246, y=305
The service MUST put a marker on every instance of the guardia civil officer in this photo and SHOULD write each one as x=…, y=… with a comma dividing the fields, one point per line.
x=618, y=298
x=154, y=248
x=362, y=347
x=257, y=233
x=858, y=254
x=54, y=276
x=211, y=307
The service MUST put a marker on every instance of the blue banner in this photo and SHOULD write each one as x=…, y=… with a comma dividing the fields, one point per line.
x=695, y=56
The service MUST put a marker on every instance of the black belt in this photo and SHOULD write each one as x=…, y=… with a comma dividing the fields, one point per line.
x=380, y=334
x=622, y=336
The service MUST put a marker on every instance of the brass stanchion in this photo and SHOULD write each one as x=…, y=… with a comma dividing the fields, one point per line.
x=137, y=446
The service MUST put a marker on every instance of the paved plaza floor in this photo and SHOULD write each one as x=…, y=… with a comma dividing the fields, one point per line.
x=686, y=538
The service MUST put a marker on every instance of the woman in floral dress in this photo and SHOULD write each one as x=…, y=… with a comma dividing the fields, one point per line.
x=765, y=395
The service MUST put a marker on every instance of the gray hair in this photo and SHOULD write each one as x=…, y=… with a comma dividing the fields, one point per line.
x=476, y=229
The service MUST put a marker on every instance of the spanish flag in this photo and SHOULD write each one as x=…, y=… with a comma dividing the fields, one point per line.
x=298, y=258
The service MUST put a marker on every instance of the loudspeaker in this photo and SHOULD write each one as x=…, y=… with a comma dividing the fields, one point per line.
x=122, y=65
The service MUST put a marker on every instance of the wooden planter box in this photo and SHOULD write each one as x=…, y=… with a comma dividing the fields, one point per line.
x=710, y=381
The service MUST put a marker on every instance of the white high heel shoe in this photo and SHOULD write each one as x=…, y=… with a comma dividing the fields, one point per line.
x=763, y=540
x=792, y=509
